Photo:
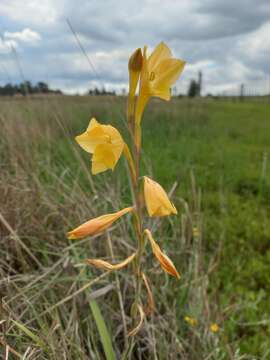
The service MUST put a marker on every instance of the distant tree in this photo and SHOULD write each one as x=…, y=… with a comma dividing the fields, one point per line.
x=193, y=88
x=8, y=90
x=26, y=88
x=42, y=87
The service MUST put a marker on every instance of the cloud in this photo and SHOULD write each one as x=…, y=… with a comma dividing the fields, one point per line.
x=31, y=12
x=26, y=35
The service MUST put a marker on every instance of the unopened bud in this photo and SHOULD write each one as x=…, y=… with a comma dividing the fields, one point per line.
x=136, y=61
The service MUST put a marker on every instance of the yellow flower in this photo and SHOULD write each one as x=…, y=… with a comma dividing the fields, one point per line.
x=156, y=199
x=159, y=72
x=196, y=231
x=191, y=321
x=96, y=225
x=163, y=259
x=214, y=328
x=104, y=142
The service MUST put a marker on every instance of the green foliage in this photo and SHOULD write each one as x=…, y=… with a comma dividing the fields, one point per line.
x=103, y=331
x=225, y=145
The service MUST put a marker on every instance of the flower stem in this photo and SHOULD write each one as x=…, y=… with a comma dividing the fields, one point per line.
x=134, y=169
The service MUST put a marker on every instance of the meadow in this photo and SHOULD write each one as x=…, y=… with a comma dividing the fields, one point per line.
x=212, y=156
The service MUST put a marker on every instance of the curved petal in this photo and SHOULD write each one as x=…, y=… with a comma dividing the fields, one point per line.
x=168, y=71
x=103, y=158
x=93, y=136
x=160, y=53
x=105, y=265
x=163, y=259
x=137, y=328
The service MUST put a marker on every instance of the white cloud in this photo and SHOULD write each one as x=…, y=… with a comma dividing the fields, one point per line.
x=26, y=35
x=40, y=13
x=228, y=41
x=7, y=45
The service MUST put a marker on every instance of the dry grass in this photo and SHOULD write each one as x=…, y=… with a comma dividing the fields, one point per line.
x=46, y=189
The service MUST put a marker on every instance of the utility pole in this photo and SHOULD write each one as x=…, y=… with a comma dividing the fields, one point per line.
x=242, y=92
x=199, y=83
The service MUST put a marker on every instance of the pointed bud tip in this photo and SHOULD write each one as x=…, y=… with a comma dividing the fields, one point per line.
x=71, y=236
x=136, y=61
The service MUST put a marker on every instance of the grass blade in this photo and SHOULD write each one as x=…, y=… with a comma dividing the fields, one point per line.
x=103, y=331
x=29, y=333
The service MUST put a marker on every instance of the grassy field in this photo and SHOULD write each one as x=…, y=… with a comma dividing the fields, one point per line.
x=213, y=156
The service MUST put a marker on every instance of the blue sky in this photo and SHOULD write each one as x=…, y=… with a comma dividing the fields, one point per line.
x=228, y=41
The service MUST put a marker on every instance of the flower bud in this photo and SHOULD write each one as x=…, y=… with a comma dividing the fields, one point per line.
x=96, y=225
x=135, y=61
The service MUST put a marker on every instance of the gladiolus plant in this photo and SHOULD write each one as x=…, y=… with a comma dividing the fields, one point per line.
x=148, y=77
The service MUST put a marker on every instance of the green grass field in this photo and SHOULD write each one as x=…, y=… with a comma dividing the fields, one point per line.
x=212, y=154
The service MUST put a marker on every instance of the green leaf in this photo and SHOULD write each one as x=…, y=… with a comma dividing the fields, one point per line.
x=103, y=331
x=29, y=333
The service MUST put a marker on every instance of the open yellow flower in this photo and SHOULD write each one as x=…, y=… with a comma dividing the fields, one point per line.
x=156, y=199
x=163, y=259
x=214, y=328
x=104, y=142
x=96, y=225
x=159, y=72
x=191, y=321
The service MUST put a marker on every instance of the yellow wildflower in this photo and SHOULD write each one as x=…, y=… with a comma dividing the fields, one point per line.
x=159, y=72
x=191, y=321
x=96, y=225
x=196, y=231
x=163, y=259
x=104, y=142
x=214, y=328
x=156, y=199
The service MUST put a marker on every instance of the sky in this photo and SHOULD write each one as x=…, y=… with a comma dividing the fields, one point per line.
x=229, y=41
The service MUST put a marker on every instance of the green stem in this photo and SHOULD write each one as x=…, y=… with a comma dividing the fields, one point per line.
x=134, y=169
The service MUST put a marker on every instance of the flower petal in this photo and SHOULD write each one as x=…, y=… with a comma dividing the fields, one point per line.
x=105, y=142
x=93, y=136
x=160, y=53
x=163, y=259
x=103, y=158
x=96, y=225
x=105, y=265
x=156, y=199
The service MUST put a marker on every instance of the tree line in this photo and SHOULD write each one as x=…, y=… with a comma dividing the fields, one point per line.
x=26, y=87
x=41, y=87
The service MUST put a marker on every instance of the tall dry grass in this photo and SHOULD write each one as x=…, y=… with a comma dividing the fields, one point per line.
x=48, y=293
